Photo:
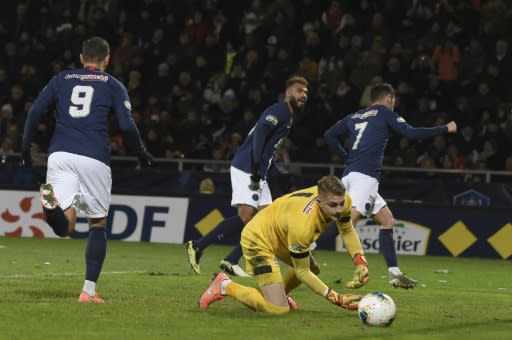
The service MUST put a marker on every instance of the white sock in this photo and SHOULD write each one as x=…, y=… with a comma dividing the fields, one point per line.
x=394, y=270
x=223, y=286
x=90, y=287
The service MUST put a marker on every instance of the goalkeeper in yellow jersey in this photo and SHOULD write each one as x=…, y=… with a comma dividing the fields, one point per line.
x=284, y=231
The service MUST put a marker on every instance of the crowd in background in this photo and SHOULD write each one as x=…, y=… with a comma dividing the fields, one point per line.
x=200, y=72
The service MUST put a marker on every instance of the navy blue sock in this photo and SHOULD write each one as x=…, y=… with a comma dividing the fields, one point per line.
x=57, y=220
x=387, y=247
x=227, y=228
x=235, y=254
x=95, y=253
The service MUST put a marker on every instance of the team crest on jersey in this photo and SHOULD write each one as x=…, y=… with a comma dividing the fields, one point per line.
x=87, y=77
x=272, y=119
x=309, y=208
x=128, y=105
x=370, y=205
x=400, y=119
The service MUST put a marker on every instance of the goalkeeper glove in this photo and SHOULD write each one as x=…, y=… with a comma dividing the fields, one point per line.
x=360, y=277
x=347, y=301
x=255, y=178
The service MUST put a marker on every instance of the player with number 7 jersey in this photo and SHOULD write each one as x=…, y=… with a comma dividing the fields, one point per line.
x=368, y=130
x=78, y=177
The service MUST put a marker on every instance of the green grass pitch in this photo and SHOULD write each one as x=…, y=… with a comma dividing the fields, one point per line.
x=150, y=293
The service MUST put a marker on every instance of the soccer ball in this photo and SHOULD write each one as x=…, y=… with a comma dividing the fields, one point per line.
x=377, y=309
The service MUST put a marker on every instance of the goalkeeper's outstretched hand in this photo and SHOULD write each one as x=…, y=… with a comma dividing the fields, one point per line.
x=360, y=277
x=347, y=301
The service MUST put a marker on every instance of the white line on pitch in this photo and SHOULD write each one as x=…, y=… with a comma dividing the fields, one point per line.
x=49, y=274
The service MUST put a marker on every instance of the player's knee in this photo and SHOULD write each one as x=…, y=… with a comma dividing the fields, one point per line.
x=246, y=213
x=388, y=224
x=97, y=222
x=275, y=309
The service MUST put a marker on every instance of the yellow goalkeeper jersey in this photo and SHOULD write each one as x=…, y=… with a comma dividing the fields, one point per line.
x=292, y=223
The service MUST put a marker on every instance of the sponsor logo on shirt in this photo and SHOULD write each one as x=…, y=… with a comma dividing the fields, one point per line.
x=400, y=119
x=365, y=115
x=295, y=248
x=127, y=104
x=87, y=77
x=272, y=119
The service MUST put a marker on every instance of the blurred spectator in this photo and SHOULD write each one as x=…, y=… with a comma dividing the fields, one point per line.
x=7, y=152
x=331, y=71
x=254, y=17
x=420, y=12
x=6, y=119
x=425, y=161
x=233, y=145
x=207, y=186
x=421, y=72
x=196, y=28
x=502, y=59
x=468, y=144
x=438, y=150
x=472, y=63
x=453, y=159
x=392, y=72
x=367, y=68
x=446, y=57
x=406, y=152
x=214, y=89
x=135, y=89
x=378, y=31
x=242, y=127
x=483, y=99
x=332, y=17
x=218, y=154
x=345, y=99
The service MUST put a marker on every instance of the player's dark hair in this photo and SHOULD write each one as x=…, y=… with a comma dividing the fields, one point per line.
x=330, y=184
x=381, y=90
x=296, y=79
x=95, y=49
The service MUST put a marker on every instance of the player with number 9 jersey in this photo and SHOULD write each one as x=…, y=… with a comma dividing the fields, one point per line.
x=78, y=176
x=84, y=99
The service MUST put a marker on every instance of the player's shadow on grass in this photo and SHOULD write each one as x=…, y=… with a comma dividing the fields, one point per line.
x=43, y=294
x=156, y=273
x=235, y=311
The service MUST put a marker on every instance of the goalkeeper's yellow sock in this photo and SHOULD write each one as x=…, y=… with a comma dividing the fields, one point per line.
x=252, y=298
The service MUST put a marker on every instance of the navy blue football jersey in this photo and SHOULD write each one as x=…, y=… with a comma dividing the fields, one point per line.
x=277, y=118
x=83, y=99
x=368, y=130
